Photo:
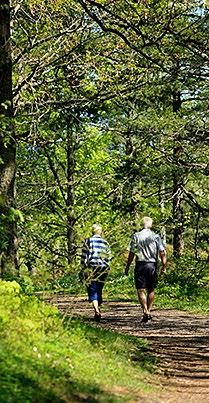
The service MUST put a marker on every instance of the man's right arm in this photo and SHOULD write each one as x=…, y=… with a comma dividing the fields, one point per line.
x=130, y=260
x=132, y=248
x=85, y=253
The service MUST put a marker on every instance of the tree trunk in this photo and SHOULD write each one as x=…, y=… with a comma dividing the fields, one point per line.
x=178, y=181
x=8, y=244
x=162, y=210
x=70, y=194
x=129, y=189
x=178, y=216
x=162, y=198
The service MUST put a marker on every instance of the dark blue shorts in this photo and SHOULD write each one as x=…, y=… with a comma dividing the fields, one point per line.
x=95, y=288
x=145, y=275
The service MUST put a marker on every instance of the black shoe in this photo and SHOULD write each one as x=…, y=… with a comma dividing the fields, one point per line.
x=97, y=317
x=145, y=318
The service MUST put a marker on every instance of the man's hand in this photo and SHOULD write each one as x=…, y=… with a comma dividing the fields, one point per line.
x=163, y=270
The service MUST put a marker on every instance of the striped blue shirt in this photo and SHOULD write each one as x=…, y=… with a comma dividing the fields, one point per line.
x=96, y=252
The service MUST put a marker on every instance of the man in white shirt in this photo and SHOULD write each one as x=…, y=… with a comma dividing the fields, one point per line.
x=146, y=246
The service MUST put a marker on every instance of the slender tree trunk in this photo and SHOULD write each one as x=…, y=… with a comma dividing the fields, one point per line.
x=130, y=185
x=178, y=181
x=129, y=189
x=162, y=209
x=196, y=235
x=178, y=216
x=162, y=197
x=70, y=193
x=8, y=244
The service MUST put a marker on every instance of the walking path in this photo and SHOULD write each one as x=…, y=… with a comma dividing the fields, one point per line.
x=179, y=339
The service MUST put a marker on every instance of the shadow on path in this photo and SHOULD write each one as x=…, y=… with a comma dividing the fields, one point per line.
x=179, y=340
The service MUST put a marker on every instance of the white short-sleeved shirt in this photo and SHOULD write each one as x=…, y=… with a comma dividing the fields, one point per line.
x=146, y=245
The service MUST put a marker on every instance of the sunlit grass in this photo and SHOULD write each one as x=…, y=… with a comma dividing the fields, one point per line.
x=169, y=295
x=46, y=358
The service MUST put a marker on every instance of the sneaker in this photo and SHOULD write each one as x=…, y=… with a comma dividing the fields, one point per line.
x=97, y=316
x=145, y=318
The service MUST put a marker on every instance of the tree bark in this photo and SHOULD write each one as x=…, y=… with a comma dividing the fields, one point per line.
x=162, y=210
x=8, y=241
x=178, y=181
x=178, y=216
x=70, y=194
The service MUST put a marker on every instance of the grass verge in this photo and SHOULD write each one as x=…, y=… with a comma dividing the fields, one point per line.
x=167, y=294
x=46, y=359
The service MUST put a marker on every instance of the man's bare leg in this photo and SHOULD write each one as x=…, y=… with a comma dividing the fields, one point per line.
x=150, y=300
x=97, y=316
x=143, y=300
x=95, y=305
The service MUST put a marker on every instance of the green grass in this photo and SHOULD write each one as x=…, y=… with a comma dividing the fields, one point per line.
x=46, y=358
x=185, y=295
x=182, y=292
x=185, y=286
x=177, y=297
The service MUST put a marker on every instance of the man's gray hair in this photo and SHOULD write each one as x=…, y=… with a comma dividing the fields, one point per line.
x=97, y=229
x=147, y=222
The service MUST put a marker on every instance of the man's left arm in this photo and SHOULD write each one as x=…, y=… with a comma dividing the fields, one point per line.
x=108, y=254
x=162, y=254
x=163, y=260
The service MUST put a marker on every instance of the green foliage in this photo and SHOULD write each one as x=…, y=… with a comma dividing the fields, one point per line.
x=69, y=282
x=97, y=130
x=185, y=286
x=15, y=215
x=188, y=274
x=121, y=287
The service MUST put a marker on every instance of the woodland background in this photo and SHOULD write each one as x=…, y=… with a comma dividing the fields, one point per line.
x=104, y=118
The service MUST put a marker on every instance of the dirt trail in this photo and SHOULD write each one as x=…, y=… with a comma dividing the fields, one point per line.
x=179, y=339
